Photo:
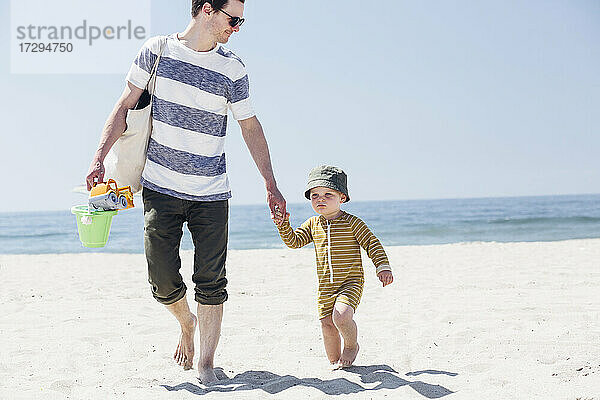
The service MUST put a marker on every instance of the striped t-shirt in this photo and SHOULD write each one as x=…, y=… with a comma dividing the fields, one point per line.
x=337, y=247
x=194, y=91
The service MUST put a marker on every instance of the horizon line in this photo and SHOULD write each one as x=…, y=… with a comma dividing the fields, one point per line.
x=359, y=201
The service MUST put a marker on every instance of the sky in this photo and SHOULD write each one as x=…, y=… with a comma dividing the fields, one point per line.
x=413, y=99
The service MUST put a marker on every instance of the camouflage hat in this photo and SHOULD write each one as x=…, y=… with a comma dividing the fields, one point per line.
x=327, y=176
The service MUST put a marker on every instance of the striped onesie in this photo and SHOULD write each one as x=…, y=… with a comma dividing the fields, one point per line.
x=337, y=250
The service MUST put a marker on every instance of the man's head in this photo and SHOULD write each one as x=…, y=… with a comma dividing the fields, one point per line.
x=222, y=17
x=216, y=4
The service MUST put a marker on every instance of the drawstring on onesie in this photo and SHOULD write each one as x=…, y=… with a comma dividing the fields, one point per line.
x=329, y=252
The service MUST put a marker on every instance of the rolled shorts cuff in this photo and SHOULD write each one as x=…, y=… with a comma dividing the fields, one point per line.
x=173, y=298
x=212, y=300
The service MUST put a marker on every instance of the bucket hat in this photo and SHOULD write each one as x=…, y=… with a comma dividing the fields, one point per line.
x=329, y=177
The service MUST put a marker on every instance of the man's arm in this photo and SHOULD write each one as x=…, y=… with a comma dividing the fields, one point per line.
x=257, y=145
x=113, y=128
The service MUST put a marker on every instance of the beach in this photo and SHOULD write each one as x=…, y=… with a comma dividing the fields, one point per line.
x=481, y=320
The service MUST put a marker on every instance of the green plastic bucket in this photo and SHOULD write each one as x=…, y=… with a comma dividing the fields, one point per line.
x=93, y=227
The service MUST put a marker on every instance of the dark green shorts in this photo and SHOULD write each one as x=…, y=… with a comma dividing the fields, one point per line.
x=164, y=216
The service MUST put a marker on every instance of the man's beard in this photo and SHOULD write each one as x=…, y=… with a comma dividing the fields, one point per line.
x=223, y=37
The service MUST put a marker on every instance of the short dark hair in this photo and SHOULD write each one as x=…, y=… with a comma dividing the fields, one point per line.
x=216, y=4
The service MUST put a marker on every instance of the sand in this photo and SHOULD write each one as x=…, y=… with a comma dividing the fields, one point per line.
x=461, y=321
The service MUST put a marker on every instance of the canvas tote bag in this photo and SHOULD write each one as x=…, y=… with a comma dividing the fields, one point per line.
x=126, y=159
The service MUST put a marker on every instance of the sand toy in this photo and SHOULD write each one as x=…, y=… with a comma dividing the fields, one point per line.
x=107, y=197
x=93, y=226
x=95, y=218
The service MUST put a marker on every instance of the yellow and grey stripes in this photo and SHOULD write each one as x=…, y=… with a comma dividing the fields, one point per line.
x=337, y=252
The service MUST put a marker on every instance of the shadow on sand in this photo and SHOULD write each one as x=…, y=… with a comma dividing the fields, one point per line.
x=273, y=383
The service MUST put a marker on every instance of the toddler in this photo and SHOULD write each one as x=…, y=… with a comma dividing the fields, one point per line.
x=338, y=237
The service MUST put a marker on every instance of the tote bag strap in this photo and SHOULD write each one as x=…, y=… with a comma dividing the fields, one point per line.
x=152, y=82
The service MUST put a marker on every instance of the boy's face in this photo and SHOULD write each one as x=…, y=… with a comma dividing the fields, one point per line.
x=326, y=201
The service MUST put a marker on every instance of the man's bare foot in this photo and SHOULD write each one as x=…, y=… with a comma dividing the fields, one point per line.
x=334, y=365
x=348, y=356
x=184, y=355
x=206, y=375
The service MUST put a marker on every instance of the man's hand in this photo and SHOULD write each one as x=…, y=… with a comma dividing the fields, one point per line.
x=96, y=171
x=276, y=205
x=386, y=277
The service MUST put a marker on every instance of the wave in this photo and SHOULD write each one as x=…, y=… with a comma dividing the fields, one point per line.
x=543, y=220
x=36, y=235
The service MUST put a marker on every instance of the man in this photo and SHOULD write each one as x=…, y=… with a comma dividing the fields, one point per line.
x=184, y=178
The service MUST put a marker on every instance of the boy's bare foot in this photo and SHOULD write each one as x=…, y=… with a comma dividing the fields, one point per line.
x=184, y=355
x=348, y=356
x=206, y=375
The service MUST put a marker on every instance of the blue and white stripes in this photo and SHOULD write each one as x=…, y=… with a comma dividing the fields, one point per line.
x=189, y=118
x=194, y=91
x=184, y=162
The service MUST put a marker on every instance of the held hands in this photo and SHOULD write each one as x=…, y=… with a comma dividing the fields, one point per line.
x=386, y=277
x=276, y=203
x=278, y=218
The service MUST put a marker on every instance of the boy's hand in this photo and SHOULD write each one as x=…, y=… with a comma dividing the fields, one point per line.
x=386, y=277
x=278, y=217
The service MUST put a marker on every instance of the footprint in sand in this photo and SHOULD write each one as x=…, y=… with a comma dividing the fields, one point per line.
x=548, y=359
x=584, y=369
x=63, y=386
x=478, y=367
x=297, y=317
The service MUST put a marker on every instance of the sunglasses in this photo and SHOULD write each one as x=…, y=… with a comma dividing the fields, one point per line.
x=233, y=21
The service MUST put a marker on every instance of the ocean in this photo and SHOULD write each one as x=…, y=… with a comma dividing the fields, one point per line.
x=403, y=222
